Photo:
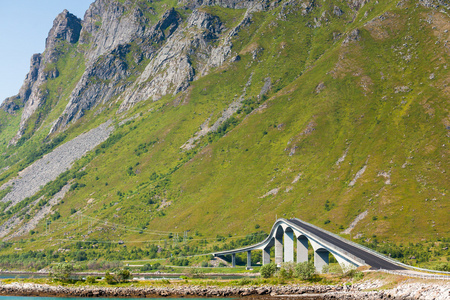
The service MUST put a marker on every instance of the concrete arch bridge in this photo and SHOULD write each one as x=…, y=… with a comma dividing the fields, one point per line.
x=285, y=233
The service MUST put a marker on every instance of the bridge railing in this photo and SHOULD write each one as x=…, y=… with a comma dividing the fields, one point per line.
x=329, y=245
x=422, y=276
x=373, y=251
x=334, y=248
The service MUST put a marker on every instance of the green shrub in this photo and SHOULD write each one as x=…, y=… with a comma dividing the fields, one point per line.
x=90, y=279
x=193, y=273
x=268, y=270
x=205, y=264
x=62, y=271
x=109, y=278
x=354, y=274
x=244, y=281
x=305, y=270
x=123, y=275
x=287, y=270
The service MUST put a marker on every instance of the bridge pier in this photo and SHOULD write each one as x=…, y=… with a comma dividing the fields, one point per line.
x=278, y=250
x=266, y=256
x=321, y=259
x=233, y=260
x=278, y=239
x=288, y=245
x=249, y=259
x=302, y=249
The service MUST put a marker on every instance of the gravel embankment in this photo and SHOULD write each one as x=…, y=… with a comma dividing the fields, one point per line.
x=416, y=291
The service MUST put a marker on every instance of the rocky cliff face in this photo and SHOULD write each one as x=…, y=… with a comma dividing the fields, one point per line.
x=168, y=48
x=113, y=30
x=66, y=29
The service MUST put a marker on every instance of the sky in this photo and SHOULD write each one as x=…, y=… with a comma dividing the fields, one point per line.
x=24, y=26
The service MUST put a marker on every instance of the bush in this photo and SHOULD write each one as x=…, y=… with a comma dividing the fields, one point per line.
x=443, y=267
x=109, y=278
x=123, y=275
x=120, y=276
x=244, y=281
x=287, y=270
x=268, y=270
x=354, y=274
x=90, y=279
x=305, y=270
x=62, y=271
x=193, y=273
x=283, y=274
x=205, y=264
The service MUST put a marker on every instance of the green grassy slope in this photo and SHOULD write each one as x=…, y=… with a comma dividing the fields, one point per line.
x=370, y=107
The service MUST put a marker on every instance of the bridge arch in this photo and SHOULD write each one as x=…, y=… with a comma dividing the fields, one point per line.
x=283, y=235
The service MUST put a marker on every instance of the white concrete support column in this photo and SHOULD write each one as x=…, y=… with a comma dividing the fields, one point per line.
x=266, y=256
x=278, y=250
x=233, y=260
x=302, y=249
x=249, y=259
x=289, y=246
x=320, y=259
x=345, y=264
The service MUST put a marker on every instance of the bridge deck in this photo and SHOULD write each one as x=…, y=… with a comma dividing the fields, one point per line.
x=372, y=260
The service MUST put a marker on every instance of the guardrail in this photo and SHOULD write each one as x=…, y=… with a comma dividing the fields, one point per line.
x=422, y=276
x=373, y=251
x=329, y=245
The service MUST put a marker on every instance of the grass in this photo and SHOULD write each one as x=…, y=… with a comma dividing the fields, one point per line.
x=146, y=187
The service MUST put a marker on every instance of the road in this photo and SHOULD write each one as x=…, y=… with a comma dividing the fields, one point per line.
x=374, y=261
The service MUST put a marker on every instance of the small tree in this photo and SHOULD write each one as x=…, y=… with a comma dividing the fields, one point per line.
x=120, y=276
x=109, y=278
x=268, y=270
x=62, y=271
x=195, y=273
x=123, y=275
x=90, y=279
x=305, y=270
x=287, y=270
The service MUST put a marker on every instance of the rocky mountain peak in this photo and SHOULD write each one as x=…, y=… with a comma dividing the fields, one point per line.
x=66, y=27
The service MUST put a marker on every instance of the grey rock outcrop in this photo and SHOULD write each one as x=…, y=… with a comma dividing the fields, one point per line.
x=337, y=11
x=356, y=4
x=171, y=70
x=66, y=28
x=103, y=78
x=237, y=4
x=106, y=35
x=353, y=36
x=108, y=24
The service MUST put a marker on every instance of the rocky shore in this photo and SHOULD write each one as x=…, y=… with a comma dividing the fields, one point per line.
x=415, y=290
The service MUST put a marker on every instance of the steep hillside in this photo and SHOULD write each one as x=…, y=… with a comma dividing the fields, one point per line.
x=216, y=117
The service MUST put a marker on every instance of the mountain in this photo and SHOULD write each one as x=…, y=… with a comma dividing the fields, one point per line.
x=216, y=117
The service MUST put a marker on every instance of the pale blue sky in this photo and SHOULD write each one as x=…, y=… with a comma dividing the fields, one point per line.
x=24, y=26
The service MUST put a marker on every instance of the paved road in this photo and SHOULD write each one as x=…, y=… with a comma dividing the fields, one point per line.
x=372, y=260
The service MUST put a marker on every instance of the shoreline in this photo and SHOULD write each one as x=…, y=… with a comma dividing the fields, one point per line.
x=365, y=290
x=160, y=274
